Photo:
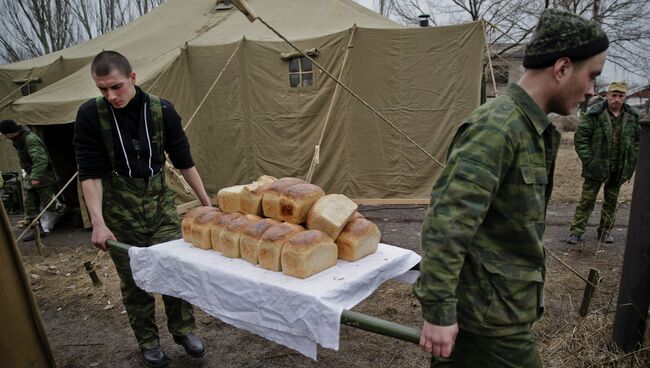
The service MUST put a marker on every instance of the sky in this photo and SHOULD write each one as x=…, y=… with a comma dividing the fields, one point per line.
x=611, y=72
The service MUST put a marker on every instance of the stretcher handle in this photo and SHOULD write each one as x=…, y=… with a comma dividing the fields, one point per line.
x=118, y=246
x=349, y=318
x=380, y=326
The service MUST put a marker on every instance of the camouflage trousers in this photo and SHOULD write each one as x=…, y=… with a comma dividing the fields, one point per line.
x=472, y=351
x=34, y=198
x=587, y=202
x=141, y=213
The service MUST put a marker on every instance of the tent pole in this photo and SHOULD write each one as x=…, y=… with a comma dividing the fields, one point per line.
x=315, y=158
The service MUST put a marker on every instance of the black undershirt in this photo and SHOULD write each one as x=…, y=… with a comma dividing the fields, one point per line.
x=91, y=154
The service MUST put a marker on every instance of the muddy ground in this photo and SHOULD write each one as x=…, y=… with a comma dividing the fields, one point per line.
x=87, y=325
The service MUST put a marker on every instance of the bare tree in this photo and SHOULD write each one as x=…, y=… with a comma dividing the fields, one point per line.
x=30, y=28
x=512, y=21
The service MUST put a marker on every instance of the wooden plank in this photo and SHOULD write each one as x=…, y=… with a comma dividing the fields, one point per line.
x=181, y=209
x=590, y=290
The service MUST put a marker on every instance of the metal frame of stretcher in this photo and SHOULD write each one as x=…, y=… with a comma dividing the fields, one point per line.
x=349, y=318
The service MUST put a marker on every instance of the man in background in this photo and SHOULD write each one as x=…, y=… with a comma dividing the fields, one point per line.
x=39, y=181
x=607, y=142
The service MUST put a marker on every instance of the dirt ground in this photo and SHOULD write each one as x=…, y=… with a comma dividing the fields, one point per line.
x=87, y=325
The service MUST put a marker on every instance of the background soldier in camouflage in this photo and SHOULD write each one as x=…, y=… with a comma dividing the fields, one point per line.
x=607, y=142
x=40, y=183
x=483, y=265
x=120, y=140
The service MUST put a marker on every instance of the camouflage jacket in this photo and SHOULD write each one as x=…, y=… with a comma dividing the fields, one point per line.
x=34, y=159
x=593, y=140
x=483, y=264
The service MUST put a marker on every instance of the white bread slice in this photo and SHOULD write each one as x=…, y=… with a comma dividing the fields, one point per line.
x=330, y=214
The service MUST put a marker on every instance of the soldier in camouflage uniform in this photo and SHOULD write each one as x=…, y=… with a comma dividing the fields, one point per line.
x=120, y=140
x=40, y=182
x=483, y=265
x=607, y=142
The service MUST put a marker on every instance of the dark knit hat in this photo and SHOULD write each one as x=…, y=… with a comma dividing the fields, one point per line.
x=9, y=126
x=563, y=34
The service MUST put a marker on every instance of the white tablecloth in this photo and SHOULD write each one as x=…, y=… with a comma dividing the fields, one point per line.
x=296, y=313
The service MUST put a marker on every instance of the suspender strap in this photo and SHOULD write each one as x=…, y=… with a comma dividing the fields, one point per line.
x=155, y=107
x=105, y=125
x=159, y=124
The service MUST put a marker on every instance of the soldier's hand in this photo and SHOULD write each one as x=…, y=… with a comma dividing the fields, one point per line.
x=35, y=182
x=438, y=340
x=101, y=234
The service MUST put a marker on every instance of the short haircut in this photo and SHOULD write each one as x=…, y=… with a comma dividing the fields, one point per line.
x=106, y=61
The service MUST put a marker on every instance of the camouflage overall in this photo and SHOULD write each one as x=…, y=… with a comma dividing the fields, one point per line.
x=142, y=212
x=483, y=264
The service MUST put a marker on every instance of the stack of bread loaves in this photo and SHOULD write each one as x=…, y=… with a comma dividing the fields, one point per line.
x=283, y=225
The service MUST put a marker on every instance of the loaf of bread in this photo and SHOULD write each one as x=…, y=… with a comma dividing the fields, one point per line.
x=221, y=224
x=271, y=199
x=229, y=199
x=269, y=248
x=330, y=214
x=358, y=239
x=355, y=216
x=308, y=253
x=252, y=194
x=188, y=220
x=232, y=233
x=202, y=227
x=250, y=238
x=297, y=200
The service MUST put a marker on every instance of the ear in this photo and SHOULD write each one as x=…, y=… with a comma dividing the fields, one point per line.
x=562, y=68
x=133, y=77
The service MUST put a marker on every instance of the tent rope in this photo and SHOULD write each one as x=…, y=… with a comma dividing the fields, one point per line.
x=316, y=158
x=379, y=114
x=214, y=84
x=161, y=74
x=489, y=57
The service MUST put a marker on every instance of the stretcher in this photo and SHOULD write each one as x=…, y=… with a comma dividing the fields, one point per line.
x=215, y=283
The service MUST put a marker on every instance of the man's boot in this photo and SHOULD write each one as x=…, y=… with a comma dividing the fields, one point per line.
x=154, y=357
x=573, y=239
x=192, y=344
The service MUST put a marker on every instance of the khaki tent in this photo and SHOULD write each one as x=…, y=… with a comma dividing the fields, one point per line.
x=253, y=121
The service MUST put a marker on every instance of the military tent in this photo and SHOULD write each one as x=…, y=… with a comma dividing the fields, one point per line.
x=263, y=108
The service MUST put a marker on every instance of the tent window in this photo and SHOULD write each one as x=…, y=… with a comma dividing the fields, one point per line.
x=29, y=88
x=301, y=73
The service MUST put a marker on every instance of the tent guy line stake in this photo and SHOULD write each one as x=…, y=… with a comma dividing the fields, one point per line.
x=380, y=115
